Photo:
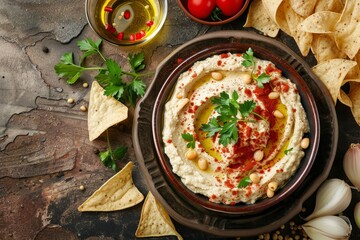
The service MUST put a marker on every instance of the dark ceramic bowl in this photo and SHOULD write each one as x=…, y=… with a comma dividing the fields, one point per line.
x=184, y=7
x=307, y=100
x=196, y=211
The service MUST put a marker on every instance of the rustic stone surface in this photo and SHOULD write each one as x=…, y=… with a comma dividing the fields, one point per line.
x=45, y=154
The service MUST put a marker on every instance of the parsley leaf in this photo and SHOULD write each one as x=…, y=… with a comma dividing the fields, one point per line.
x=261, y=79
x=67, y=69
x=110, y=76
x=137, y=61
x=190, y=139
x=229, y=133
x=89, y=47
x=244, y=182
x=287, y=151
x=249, y=58
x=246, y=108
x=109, y=158
x=211, y=128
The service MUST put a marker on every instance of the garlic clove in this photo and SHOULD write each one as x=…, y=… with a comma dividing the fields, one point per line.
x=333, y=197
x=351, y=164
x=357, y=214
x=328, y=227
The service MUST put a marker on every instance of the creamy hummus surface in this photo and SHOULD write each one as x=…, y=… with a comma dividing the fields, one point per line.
x=269, y=146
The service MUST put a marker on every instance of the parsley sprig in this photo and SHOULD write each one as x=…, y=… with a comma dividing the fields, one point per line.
x=189, y=138
x=110, y=157
x=244, y=182
x=250, y=62
x=226, y=122
x=110, y=75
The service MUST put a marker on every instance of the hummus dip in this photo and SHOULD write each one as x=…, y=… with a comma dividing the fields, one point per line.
x=268, y=149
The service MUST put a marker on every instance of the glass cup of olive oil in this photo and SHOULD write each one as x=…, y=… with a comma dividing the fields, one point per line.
x=126, y=22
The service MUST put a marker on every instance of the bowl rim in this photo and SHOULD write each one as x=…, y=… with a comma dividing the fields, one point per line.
x=128, y=44
x=202, y=21
x=296, y=179
x=213, y=223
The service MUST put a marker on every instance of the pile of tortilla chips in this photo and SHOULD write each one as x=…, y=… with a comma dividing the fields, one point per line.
x=330, y=29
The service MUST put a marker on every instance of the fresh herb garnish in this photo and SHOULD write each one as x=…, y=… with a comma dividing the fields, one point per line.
x=244, y=182
x=189, y=138
x=215, y=14
x=250, y=62
x=109, y=157
x=226, y=122
x=287, y=151
x=110, y=75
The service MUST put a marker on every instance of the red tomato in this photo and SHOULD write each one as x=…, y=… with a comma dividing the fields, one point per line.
x=201, y=8
x=229, y=7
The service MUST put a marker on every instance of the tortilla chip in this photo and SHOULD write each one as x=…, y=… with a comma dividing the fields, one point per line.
x=332, y=73
x=303, y=7
x=320, y=22
x=154, y=220
x=329, y=5
x=302, y=39
x=119, y=192
x=277, y=14
x=324, y=48
x=104, y=111
x=259, y=19
x=347, y=30
x=344, y=99
x=354, y=96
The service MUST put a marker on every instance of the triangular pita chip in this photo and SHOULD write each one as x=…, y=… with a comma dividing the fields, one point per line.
x=259, y=19
x=119, y=192
x=332, y=73
x=104, y=111
x=154, y=220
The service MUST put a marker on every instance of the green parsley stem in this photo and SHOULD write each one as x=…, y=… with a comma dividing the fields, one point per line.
x=256, y=114
x=108, y=143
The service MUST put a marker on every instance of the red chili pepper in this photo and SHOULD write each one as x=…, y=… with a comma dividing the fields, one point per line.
x=120, y=36
x=108, y=9
x=110, y=28
x=179, y=60
x=143, y=33
x=132, y=37
x=149, y=23
x=127, y=14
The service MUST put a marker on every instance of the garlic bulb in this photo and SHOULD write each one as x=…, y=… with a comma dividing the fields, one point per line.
x=328, y=227
x=333, y=197
x=351, y=164
x=357, y=214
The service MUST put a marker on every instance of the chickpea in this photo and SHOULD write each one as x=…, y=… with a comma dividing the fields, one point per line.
x=270, y=193
x=274, y=95
x=203, y=164
x=191, y=154
x=246, y=78
x=217, y=76
x=305, y=142
x=70, y=100
x=83, y=108
x=179, y=96
x=258, y=155
x=85, y=85
x=254, y=177
x=278, y=114
x=82, y=188
x=272, y=186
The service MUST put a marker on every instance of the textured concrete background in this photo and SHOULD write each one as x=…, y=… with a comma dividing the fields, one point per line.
x=45, y=152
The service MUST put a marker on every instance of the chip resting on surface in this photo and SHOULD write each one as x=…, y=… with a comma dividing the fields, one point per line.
x=347, y=29
x=354, y=96
x=303, y=7
x=324, y=48
x=119, y=192
x=332, y=73
x=320, y=22
x=277, y=13
x=259, y=19
x=329, y=5
x=104, y=111
x=154, y=220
